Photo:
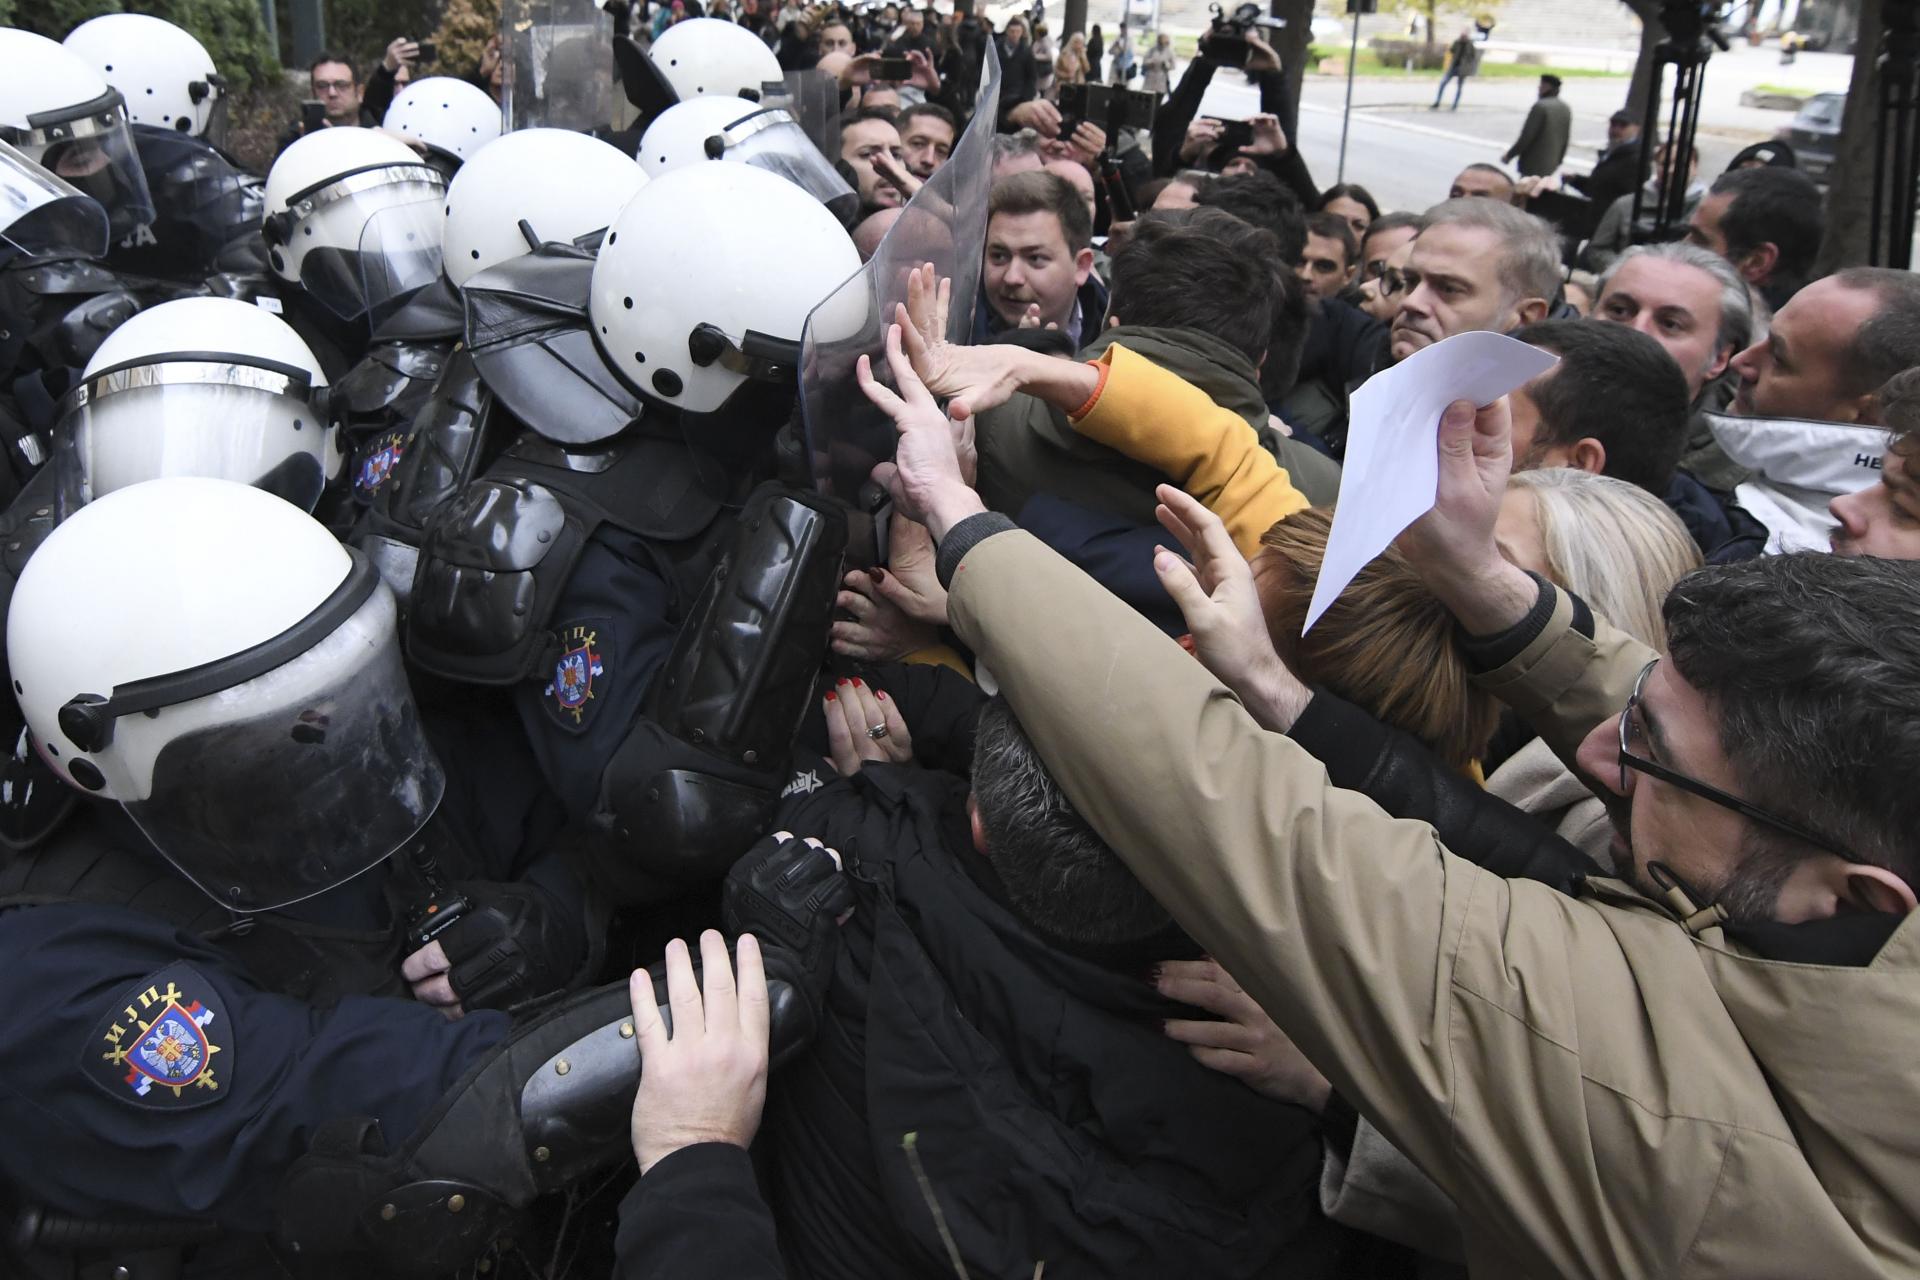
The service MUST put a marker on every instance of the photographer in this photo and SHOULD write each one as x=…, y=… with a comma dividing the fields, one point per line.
x=1182, y=142
x=337, y=92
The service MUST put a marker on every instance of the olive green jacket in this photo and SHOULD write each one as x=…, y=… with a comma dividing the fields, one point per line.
x=1601, y=1091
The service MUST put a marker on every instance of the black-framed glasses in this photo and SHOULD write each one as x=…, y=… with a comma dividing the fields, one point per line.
x=1630, y=733
x=1392, y=280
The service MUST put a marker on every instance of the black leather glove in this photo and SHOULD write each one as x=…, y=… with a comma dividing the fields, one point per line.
x=790, y=893
x=516, y=944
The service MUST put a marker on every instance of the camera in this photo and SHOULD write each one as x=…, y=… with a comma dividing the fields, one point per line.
x=1225, y=42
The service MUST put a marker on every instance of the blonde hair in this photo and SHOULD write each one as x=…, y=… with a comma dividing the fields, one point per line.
x=1611, y=543
x=1386, y=645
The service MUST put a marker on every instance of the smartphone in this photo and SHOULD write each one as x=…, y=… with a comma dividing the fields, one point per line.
x=1234, y=134
x=892, y=69
x=312, y=115
x=428, y=52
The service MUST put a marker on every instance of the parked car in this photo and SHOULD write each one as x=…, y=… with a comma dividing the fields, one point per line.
x=1815, y=133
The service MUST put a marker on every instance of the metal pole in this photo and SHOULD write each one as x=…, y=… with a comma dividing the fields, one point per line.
x=1353, y=56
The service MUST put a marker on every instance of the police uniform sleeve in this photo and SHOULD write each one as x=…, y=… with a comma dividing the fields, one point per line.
x=147, y=1076
x=698, y=1213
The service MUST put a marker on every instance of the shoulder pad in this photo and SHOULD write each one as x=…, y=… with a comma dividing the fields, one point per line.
x=79, y=333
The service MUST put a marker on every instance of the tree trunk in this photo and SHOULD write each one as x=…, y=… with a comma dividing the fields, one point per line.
x=1075, y=19
x=1433, y=21
x=1850, y=189
x=1291, y=43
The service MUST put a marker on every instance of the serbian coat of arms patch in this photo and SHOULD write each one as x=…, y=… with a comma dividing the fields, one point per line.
x=580, y=675
x=161, y=1045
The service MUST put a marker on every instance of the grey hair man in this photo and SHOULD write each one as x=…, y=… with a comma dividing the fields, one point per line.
x=1477, y=264
x=1688, y=299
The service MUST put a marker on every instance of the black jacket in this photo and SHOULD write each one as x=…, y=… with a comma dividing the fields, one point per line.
x=1023, y=1087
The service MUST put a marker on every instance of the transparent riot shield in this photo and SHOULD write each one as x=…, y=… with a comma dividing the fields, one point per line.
x=557, y=70
x=946, y=224
x=812, y=98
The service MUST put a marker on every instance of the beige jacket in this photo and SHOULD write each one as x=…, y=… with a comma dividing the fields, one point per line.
x=1535, y=781
x=1600, y=1092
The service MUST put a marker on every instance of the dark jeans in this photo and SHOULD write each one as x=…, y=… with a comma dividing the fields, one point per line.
x=1459, y=82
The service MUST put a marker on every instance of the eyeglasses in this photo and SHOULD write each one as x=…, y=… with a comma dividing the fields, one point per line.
x=1630, y=733
x=332, y=86
x=1392, y=280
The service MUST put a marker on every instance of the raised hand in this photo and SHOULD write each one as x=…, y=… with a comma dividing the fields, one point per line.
x=1217, y=598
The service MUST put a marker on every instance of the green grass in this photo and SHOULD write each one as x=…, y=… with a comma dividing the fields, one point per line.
x=1370, y=65
x=1785, y=91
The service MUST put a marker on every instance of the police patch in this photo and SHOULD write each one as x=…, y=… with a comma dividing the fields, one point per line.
x=160, y=1046
x=378, y=460
x=580, y=676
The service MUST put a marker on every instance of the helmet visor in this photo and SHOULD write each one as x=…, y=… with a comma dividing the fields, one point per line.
x=379, y=235
x=42, y=216
x=91, y=147
x=773, y=141
x=298, y=780
x=260, y=426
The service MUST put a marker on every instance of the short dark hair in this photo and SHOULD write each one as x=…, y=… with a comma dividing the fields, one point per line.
x=1900, y=411
x=1334, y=227
x=1261, y=199
x=872, y=113
x=1059, y=875
x=1618, y=386
x=1291, y=317
x=1781, y=207
x=1352, y=191
x=933, y=109
x=1811, y=665
x=1391, y=222
x=1037, y=191
x=325, y=56
x=1200, y=269
x=1551, y=81
x=1889, y=341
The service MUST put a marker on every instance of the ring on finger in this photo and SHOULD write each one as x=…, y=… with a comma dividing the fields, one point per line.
x=877, y=732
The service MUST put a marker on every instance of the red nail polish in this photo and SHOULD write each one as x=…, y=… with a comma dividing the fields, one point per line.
x=880, y=694
x=830, y=695
x=856, y=682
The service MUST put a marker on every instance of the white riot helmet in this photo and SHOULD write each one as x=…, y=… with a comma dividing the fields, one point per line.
x=63, y=116
x=196, y=387
x=450, y=117
x=218, y=663
x=710, y=57
x=166, y=76
x=355, y=218
x=686, y=326
x=562, y=184
x=720, y=128
x=42, y=216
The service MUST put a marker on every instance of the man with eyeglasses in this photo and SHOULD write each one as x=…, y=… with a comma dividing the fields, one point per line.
x=1698, y=1067
x=336, y=87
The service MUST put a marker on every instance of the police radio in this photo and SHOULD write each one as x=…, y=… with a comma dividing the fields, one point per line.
x=444, y=905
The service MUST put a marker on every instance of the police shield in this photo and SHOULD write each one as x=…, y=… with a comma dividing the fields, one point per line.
x=812, y=98
x=557, y=70
x=946, y=224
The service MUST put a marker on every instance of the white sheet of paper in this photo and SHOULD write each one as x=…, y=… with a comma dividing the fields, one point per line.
x=1391, y=475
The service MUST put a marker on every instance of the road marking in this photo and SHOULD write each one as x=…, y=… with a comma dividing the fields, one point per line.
x=1428, y=131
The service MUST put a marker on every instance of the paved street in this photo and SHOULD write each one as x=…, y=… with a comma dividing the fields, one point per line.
x=1407, y=154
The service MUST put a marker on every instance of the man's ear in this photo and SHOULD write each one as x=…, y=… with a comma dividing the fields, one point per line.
x=1588, y=455
x=1113, y=321
x=1870, y=888
x=1082, y=266
x=1720, y=363
x=1531, y=311
x=977, y=828
x=1758, y=263
x=1862, y=408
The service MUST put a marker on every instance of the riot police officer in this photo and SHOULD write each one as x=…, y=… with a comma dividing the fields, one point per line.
x=206, y=209
x=659, y=612
x=450, y=119
x=352, y=227
x=209, y=951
